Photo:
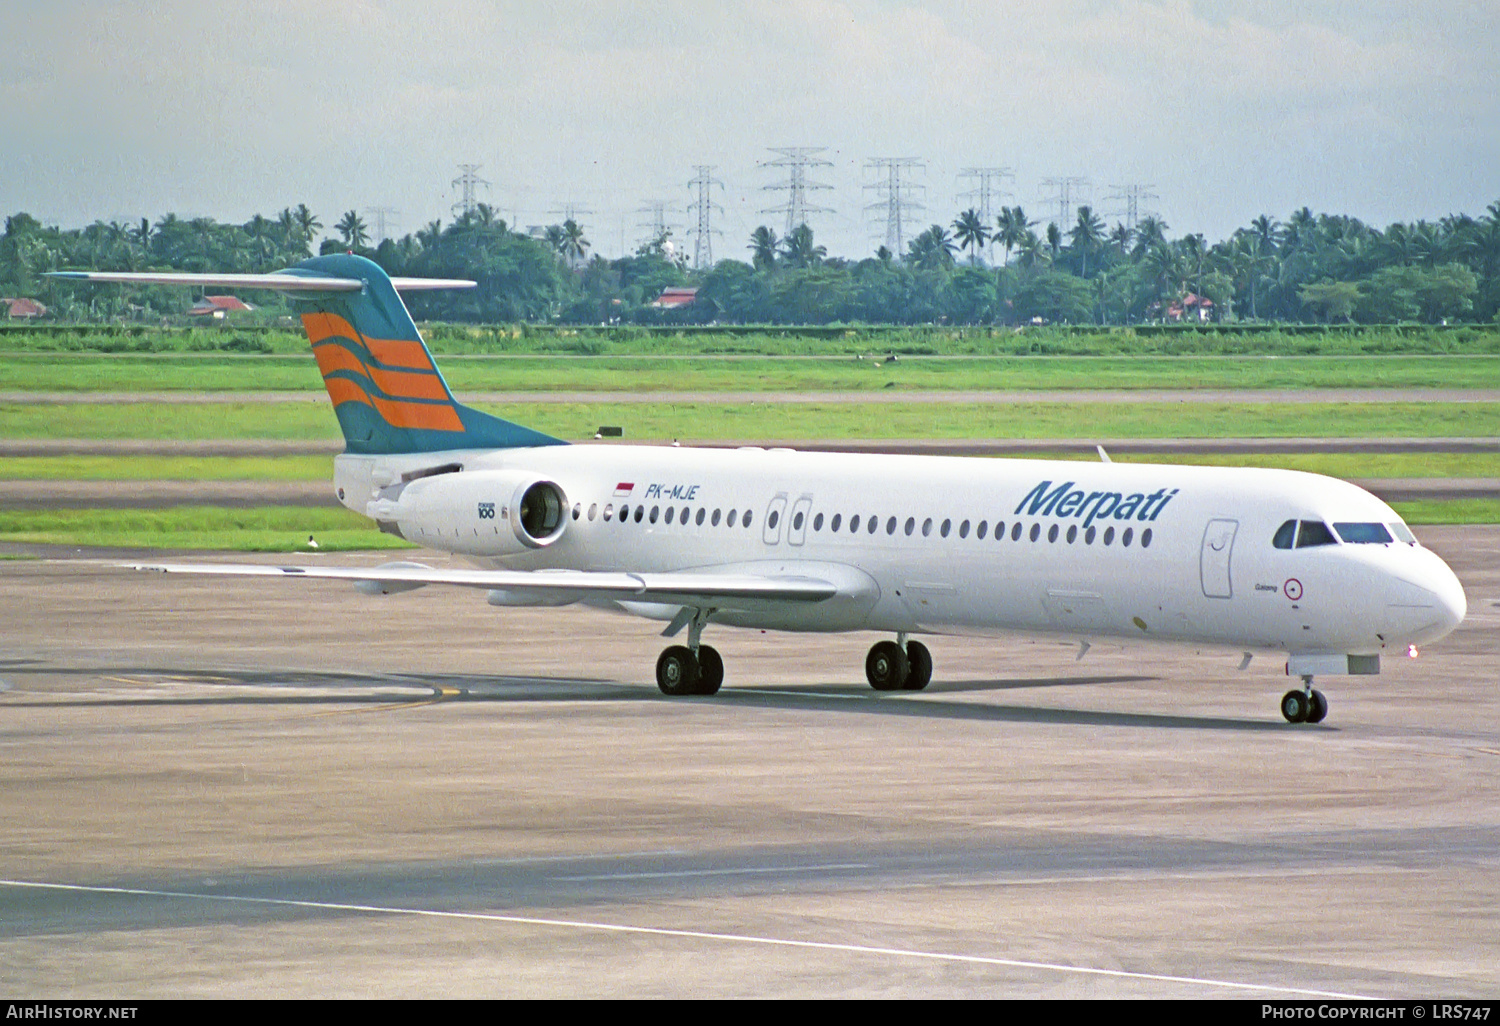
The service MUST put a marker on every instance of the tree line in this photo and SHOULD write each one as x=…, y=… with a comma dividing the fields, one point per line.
x=1014, y=271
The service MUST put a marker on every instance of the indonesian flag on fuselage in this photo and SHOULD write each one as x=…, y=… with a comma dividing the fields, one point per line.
x=624, y=488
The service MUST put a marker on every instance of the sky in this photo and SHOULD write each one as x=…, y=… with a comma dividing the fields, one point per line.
x=115, y=109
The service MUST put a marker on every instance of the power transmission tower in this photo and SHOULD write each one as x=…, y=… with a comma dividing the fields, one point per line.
x=703, y=245
x=895, y=197
x=468, y=180
x=987, y=191
x=1070, y=190
x=570, y=212
x=1132, y=207
x=383, y=217
x=656, y=224
x=797, y=159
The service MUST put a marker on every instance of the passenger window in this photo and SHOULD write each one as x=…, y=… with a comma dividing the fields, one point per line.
x=927, y=528
x=1036, y=531
x=911, y=525
x=609, y=511
x=1088, y=535
x=640, y=511
x=1072, y=533
x=817, y=522
x=1285, y=535
x=654, y=511
x=715, y=519
x=873, y=522
x=1015, y=533
x=854, y=524
x=1363, y=534
x=593, y=511
x=682, y=517
x=746, y=521
x=1109, y=536
x=890, y=526
x=668, y=517
x=833, y=525
x=1126, y=535
x=1052, y=533
x=797, y=521
x=1146, y=538
x=702, y=512
x=733, y=516
x=577, y=510
x=1314, y=532
x=983, y=525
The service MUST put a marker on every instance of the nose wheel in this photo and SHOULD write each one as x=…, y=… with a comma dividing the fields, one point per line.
x=1305, y=706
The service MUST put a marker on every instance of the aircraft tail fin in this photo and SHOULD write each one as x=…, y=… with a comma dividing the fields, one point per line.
x=387, y=392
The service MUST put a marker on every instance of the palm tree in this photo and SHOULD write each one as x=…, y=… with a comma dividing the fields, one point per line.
x=1086, y=237
x=574, y=245
x=970, y=232
x=763, y=243
x=353, y=230
x=1011, y=228
x=1150, y=233
x=932, y=250
x=798, y=248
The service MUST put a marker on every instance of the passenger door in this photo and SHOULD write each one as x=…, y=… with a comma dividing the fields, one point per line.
x=1214, y=560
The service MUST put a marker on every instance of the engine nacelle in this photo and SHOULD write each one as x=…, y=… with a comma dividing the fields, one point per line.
x=482, y=512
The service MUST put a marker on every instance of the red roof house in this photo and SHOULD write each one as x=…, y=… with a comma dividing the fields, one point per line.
x=217, y=306
x=18, y=309
x=673, y=298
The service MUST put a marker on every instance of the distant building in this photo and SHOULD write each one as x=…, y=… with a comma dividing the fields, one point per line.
x=23, y=309
x=217, y=306
x=1192, y=306
x=674, y=298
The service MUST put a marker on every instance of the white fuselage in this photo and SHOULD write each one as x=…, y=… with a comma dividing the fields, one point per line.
x=959, y=545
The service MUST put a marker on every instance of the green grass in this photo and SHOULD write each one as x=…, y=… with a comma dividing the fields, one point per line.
x=320, y=468
x=1349, y=466
x=261, y=529
x=167, y=468
x=771, y=421
x=214, y=373
x=1449, y=511
x=283, y=337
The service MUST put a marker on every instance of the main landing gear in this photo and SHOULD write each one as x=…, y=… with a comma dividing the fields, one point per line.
x=1305, y=706
x=680, y=672
x=898, y=665
x=691, y=669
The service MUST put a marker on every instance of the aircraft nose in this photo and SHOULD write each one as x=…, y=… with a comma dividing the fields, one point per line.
x=1448, y=591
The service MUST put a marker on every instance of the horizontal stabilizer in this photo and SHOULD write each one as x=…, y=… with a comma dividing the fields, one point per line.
x=292, y=280
x=679, y=586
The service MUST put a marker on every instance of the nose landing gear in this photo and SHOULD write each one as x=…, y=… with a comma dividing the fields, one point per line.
x=1305, y=706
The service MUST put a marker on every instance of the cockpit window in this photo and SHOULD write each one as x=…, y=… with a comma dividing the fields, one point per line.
x=1285, y=535
x=1314, y=532
x=1403, y=533
x=1363, y=534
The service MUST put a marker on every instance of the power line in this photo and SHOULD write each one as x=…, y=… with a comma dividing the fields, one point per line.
x=988, y=189
x=656, y=225
x=1132, y=207
x=895, y=198
x=383, y=217
x=703, y=246
x=797, y=159
x=1070, y=190
x=468, y=180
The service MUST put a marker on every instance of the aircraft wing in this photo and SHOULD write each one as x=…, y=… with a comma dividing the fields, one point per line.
x=280, y=281
x=685, y=587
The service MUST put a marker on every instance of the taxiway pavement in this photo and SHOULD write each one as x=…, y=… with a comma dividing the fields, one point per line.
x=228, y=788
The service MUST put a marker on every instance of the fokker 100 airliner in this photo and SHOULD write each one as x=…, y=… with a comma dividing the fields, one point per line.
x=1253, y=560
